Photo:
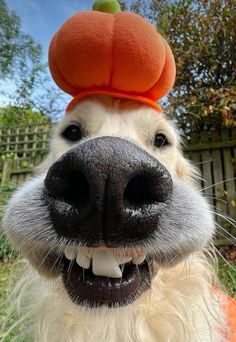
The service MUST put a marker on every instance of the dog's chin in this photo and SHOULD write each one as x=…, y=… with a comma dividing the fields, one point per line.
x=86, y=289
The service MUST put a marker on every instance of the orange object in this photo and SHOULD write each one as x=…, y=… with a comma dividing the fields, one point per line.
x=120, y=54
x=230, y=309
x=228, y=304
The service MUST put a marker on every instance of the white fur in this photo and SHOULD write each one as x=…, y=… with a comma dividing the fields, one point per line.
x=179, y=307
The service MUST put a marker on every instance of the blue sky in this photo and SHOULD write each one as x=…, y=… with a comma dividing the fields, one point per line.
x=42, y=18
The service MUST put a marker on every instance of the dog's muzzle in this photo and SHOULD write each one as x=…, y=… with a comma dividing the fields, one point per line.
x=106, y=191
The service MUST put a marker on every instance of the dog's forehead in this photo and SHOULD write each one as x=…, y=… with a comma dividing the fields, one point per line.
x=114, y=115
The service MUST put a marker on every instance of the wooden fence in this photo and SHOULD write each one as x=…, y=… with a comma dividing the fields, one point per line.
x=21, y=149
x=214, y=154
x=24, y=147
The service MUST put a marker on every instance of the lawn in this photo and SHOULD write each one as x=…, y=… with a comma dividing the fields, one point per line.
x=8, y=275
x=227, y=275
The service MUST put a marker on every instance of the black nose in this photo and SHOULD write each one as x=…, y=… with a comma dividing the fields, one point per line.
x=106, y=191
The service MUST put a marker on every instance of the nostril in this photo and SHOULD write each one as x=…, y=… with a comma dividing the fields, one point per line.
x=72, y=187
x=139, y=192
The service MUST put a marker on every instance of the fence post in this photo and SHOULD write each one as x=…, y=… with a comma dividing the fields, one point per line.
x=6, y=171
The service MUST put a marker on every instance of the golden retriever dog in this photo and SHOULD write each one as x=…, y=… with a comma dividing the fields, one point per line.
x=115, y=233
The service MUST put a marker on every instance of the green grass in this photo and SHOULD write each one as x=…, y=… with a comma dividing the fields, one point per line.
x=5, y=193
x=227, y=275
x=8, y=275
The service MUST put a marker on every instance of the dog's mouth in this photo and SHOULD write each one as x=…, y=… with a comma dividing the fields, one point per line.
x=105, y=278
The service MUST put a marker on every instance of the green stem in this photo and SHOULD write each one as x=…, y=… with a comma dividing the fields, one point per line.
x=107, y=6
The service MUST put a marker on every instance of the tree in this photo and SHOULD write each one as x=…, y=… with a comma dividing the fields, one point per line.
x=25, y=82
x=20, y=55
x=202, y=36
x=15, y=45
x=13, y=115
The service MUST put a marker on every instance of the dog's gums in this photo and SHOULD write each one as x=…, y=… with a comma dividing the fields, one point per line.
x=105, y=279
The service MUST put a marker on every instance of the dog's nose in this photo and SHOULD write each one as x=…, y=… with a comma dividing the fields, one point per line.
x=106, y=191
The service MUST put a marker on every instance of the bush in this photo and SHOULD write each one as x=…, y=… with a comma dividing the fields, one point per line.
x=15, y=115
x=202, y=36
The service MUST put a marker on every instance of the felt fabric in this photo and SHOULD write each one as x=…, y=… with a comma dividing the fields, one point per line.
x=228, y=304
x=121, y=54
x=230, y=309
x=162, y=86
x=109, y=6
x=113, y=93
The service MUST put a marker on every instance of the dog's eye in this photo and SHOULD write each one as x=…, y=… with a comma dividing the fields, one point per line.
x=72, y=133
x=160, y=140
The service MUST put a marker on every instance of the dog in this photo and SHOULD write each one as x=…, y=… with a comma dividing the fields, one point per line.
x=115, y=231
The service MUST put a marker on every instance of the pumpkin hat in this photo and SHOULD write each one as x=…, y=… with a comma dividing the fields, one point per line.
x=106, y=51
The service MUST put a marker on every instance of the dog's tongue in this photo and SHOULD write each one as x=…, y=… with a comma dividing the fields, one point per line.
x=105, y=265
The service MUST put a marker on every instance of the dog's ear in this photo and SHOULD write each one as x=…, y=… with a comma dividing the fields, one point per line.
x=186, y=171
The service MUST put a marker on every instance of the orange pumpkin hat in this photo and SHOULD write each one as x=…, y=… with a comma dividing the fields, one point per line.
x=117, y=53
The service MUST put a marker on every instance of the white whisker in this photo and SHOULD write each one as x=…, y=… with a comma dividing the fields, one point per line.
x=224, y=181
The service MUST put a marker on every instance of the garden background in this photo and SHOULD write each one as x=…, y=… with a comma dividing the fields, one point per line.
x=202, y=36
